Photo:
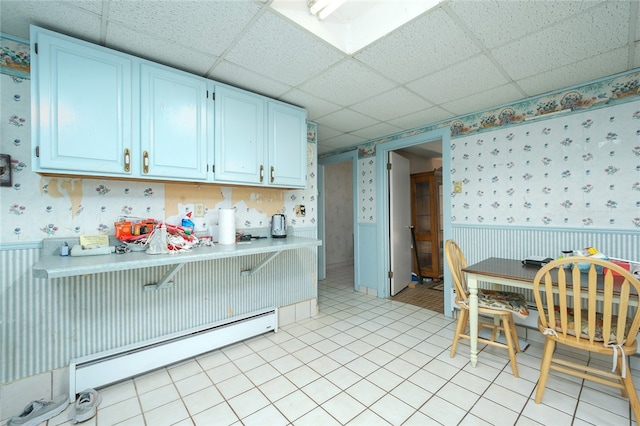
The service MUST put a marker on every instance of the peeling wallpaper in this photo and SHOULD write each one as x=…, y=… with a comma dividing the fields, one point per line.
x=37, y=207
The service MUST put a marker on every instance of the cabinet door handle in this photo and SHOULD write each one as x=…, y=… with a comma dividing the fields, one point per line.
x=145, y=162
x=272, y=173
x=127, y=160
x=261, y=173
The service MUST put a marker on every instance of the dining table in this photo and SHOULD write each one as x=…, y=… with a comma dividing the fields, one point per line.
x=502, y=272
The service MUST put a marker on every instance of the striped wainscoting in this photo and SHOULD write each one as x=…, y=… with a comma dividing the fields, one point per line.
x=46, y=322
x=479, y=243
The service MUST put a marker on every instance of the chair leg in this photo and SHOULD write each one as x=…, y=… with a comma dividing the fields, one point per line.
x=516, y=342
x=632, y=394
x=462, y=324
x=508, y=326
x=545, y=365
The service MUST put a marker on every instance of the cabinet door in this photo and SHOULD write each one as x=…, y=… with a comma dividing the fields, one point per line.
x=239, y=136
x=82, y=100
x=173, y=122
x=287, y=145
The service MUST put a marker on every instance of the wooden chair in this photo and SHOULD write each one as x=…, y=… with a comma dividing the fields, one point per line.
x=588, y=328
x=498, y=304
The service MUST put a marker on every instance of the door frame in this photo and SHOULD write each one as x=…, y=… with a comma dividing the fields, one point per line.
x=382, y=205
x=322, y=259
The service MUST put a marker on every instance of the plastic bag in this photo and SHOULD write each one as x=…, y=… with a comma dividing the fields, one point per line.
x=157, y=242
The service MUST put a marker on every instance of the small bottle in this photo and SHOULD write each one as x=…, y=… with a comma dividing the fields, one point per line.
x=64, y=250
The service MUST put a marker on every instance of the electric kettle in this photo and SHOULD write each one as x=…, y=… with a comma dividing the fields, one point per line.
x=278, y=226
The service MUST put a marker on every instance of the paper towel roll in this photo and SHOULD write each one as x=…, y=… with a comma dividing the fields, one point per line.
x=227, y=226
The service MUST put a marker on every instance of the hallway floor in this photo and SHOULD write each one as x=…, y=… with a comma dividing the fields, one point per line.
x=361, y=361
x=422, y=295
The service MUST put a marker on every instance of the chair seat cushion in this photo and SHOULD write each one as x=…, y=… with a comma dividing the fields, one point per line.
x=584, y=326
x=503, y=301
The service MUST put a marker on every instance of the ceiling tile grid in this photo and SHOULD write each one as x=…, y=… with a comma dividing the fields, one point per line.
x=473, y=75
x=428, y=44
x=347, y=83
x=206, y=26
x=279, y=49
x=458, y=58
x=392, y=104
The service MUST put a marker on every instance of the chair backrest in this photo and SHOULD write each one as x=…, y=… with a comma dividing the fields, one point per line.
x=597, y=284
x=457, y=261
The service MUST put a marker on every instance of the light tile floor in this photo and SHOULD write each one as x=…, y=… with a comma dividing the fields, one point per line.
x=362, y=361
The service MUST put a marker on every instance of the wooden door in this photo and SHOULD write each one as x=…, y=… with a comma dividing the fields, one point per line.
x=426, y=195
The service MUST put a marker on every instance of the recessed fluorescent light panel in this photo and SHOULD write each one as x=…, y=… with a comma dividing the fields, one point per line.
x=351, y=25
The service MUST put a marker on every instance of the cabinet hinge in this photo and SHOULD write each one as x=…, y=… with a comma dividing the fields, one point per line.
x=388, y=166
x=37, y=151
x=390, y=274
x=36, y=46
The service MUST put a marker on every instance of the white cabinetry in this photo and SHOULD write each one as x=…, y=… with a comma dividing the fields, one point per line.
x=99, y=112
x=82, y=107
x=287, y=145
x=244, y=155
x=239, y=136
x=173, y=124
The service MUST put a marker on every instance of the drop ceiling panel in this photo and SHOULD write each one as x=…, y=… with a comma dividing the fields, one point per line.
x=16, y=17
x=377, y=130
x=516, y=18
x=419, y=118
x=473, y=75
x=279, y=49
x=591, y=33
x=236, y=75
x=207, y=26
x=428, y=44
x=608, y=63
x=343, y=140
x=391, y=104
x=346, y=120
x=347, y=83
x=316, y=107
x=148, y=47
x=480, y=101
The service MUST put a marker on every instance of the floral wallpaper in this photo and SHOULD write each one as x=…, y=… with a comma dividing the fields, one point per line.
x=489, y=129
x=36, y=207
x=579, y=170
x=366, y=191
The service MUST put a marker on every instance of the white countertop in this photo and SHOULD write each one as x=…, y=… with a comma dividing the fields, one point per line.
x=55, y=266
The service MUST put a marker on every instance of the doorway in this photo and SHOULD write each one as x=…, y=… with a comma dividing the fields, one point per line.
x=337, y=214
x=413, y=202
x=438, y=141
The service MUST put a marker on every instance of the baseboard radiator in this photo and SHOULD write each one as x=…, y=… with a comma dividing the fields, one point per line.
x=111, y=366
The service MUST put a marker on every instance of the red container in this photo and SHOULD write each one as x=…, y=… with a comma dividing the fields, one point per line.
x=624, y=265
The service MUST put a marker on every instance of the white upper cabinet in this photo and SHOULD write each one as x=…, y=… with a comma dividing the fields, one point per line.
x=173, y=124
x=83, y=107
x=99, y=112
x=239, y=136
x=287, y=145
x=248, y=151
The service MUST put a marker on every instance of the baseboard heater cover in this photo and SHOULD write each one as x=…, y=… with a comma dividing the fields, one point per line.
x=111, y=366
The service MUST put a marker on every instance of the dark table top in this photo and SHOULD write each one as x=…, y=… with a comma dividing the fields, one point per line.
x=513, y=269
